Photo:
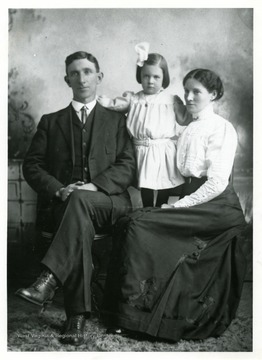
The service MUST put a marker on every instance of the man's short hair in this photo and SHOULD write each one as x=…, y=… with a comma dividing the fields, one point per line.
x=81, y=55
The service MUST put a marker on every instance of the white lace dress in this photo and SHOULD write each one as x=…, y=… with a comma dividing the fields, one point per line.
x=151, y=122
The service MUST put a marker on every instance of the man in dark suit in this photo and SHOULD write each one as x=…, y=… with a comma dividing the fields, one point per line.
x=82, y=161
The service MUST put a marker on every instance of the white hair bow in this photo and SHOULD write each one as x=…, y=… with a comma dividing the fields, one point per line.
x=142, y=51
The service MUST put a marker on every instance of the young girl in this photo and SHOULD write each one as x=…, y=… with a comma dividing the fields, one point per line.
x=151, y=122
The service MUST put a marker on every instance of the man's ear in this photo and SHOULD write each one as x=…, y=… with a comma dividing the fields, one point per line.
x=100, y=77
x=67, y=80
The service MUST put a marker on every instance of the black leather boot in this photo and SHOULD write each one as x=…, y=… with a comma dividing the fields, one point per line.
x=42, y=291
x=74, y=331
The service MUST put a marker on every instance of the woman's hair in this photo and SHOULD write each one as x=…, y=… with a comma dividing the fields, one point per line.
x=81, y=55
x=159, y=60
x=210, y=80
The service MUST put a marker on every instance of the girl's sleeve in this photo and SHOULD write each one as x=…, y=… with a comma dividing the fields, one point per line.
x=119, y=104
x=220, y=155
x=183, y=117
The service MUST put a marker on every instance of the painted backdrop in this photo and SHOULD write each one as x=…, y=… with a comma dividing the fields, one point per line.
x=40, y=39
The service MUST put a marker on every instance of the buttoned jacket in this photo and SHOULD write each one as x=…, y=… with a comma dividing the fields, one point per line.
x=50, y=159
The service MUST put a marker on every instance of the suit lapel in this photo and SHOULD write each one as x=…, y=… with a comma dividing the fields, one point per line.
x=65, y=124
x=98, y=123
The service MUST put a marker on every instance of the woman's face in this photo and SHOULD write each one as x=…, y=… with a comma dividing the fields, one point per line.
x=197, y=96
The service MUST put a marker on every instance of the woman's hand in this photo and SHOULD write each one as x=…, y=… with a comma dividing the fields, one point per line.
x=166, y=206
x=89, y=186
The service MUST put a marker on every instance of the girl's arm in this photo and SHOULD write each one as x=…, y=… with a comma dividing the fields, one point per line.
x=183, y=117
x=119, y=104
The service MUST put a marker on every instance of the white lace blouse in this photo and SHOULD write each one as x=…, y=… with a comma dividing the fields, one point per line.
x=206, y=148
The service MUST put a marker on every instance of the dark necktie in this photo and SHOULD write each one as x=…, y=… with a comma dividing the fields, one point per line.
x=84, y=115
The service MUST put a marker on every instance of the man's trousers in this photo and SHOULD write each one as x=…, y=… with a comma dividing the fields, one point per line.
x=69, y=256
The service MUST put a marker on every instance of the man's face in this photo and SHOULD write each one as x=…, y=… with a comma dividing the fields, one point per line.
x=83, y=78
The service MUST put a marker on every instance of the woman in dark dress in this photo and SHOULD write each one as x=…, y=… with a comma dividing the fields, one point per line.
x=177, y=272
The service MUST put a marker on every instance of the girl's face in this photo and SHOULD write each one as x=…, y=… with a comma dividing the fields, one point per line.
x=151, y=79
x=197, y=96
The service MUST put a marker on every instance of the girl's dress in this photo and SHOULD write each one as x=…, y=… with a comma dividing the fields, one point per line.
x=177, y=273
x=151, y=122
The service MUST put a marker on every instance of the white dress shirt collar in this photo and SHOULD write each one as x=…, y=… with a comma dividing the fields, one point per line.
x=78, y=105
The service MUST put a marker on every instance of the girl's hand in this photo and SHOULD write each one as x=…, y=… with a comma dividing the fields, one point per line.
x=128, y=94
x=183, y=117
x=177, y=100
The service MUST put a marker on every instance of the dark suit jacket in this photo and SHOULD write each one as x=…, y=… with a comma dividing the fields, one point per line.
x=49, y=162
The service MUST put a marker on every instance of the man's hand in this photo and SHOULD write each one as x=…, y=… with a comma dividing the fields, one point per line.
x=63, y=193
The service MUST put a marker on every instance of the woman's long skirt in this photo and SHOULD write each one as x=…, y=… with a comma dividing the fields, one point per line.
x=177, y=273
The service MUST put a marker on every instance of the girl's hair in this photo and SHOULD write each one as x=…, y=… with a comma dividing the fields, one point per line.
x=81, y=55
x=155, y=59
x=210, y=80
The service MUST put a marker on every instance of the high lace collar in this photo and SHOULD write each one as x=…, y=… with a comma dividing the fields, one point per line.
x=204, y=114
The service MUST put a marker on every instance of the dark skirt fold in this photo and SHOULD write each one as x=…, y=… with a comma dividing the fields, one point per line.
x=177, y=273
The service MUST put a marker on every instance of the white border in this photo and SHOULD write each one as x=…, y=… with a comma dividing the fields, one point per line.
x=257, y=6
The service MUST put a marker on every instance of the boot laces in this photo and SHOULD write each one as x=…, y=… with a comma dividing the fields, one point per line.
x=76, y=323
x=41, y=280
